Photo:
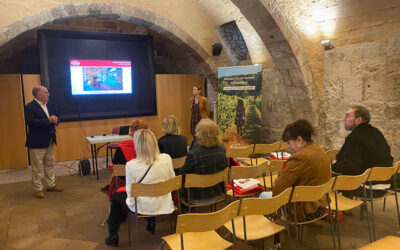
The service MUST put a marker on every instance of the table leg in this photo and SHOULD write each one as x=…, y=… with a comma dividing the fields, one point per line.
x=92, y=151
x=95, y=159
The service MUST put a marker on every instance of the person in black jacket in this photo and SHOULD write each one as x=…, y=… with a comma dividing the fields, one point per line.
x=172, y=142
x=364, y=147
x=208, y=158
x=41, y=118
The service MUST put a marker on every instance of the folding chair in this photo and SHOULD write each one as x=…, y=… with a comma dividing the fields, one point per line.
x=251, y=224
x=264, y=149
x=152, y=190
x=388, y=242
x=342, y=203
x=178, y=162
x=332, y=154
x=309, y=194
x=381, y=174
x=203, y=181
x=242, y=152
x=239, y=172
x=196, y=231
x=113, y=145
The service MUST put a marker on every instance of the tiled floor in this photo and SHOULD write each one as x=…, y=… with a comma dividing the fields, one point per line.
x=74, y=218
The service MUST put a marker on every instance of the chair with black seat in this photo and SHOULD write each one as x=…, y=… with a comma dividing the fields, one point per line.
x=309, y=194
x=197, y=231
x=239, y=172
x=341, y=203
x=204, y=181
x=251, y=223
x=112, y=145
x=152, y=190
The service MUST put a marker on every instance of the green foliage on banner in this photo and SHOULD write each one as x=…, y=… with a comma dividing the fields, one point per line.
x=226, y=110
x=252, y=127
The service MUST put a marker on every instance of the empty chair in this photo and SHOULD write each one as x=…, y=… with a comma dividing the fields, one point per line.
x=261, y=150
x=196, y=231
x=388, y=242
x=112, y=145
x=239, y=172
x=242, y=152
x=342, y=203
x=380, y=174
x=251, y=224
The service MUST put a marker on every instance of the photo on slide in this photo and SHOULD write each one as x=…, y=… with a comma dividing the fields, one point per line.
x=100, y=78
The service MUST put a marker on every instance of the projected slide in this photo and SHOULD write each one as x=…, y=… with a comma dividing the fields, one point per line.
x=92, y=77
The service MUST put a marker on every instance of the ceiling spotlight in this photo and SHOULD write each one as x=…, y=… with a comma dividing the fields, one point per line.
x=327, y=44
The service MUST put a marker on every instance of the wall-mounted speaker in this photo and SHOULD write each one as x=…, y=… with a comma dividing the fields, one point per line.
x=217, y=48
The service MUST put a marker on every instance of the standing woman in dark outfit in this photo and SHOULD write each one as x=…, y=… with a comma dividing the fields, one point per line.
x=200, y=109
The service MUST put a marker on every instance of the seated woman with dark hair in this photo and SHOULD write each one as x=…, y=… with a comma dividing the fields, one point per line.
x=307, y=166
x=208, y=158
x=148, y=167
x=172, y=142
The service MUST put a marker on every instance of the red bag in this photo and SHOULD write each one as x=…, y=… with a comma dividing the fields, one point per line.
x=328, y=218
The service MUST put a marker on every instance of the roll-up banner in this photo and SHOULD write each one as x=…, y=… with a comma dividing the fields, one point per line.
x=239, y=104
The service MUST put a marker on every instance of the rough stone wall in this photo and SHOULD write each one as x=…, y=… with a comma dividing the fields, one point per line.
x=233, y=40
x=275, y=107
x=366, y=74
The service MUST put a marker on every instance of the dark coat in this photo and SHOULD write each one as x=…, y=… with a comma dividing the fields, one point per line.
x=364, y=147
x=174, y=145
x=40, y=130
x=203, y=160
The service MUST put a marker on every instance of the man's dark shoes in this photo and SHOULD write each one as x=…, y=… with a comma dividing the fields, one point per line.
x=112, y=240
x=104, y=189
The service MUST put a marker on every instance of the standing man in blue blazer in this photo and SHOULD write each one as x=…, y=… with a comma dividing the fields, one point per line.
x=41, y=117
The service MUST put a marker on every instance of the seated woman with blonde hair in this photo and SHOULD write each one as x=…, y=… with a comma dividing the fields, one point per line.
x=148, y=167
x=208, y=158
x=172, y=142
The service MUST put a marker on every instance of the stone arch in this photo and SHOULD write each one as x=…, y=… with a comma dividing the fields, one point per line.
x=286, y=51
x=120, y=12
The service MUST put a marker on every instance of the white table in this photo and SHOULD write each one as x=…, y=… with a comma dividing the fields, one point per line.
x=104, y=140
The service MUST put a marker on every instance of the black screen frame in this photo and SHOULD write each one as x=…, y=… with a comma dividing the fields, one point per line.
x=57, y=46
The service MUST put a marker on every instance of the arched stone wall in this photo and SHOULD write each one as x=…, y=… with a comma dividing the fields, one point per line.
x=121, y=12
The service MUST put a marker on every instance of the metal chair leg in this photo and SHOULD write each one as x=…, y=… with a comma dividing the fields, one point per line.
x=129, y=228
x=397, y=202
x=384, y=204
x=372, y=211
x=330, y=215
x=337, y=220
x=365, y=205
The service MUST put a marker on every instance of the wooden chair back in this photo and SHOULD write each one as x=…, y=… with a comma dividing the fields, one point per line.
x=118, y=170
x=350, y=182
x=275, y=166
x=238, y=172
x=311, y=193
x=202, y=222
x=178, y=162
x=156, y=189
x=263, y=206
x=243, y=152
x=398, y=167
x=269, y=148
x=382, y=173
x=331, y=153
x=205, y=180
